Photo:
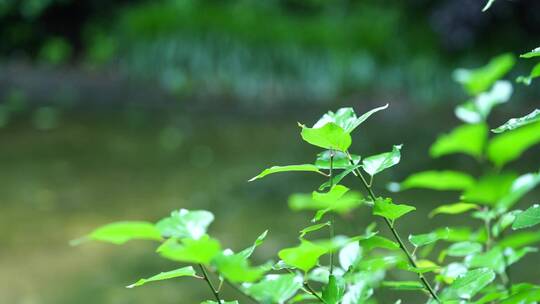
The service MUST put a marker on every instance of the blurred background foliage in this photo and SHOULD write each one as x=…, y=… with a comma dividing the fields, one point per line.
x=113, y=110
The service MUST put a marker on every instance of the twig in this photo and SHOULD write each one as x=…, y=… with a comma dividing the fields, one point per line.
x=396, y=235
x=207, y=279
x=313, y=292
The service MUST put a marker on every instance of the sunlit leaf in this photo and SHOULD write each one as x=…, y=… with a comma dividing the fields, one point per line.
x=290, y=168
x=377, y=163
x=531, y=295
x=181, y=272
x=403, y=285
x=185, y=224
x=428, y=238
x=490, y=189
x=121, y=232
x=332, y=293
x=526, y=80
x=246, y=253
x=200, y=251
x=489, y=3
x=479, y=80
x=478, y=109
x=329, y=136
x=349, y=255
x=468, y=139
x=222, y=302
x=521, y=186
x=312, y=228
x=378, y=242
x=340, y=160
x=236, y=268
x=520, y=239
x=451, y=271
x=462, y=249
x=275, y=288
x=338, y=199
x=531, y=54
x=336, y=179
x=469, y=284
x=515, y=123
x=508, y=146
x=439, y=180
x=346, y=118
x=386, y=208
x=456, y=208
x=304, y=256
x=527, y=218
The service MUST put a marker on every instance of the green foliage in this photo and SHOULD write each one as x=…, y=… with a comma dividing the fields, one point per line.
x=515, y=123
x=527, y=218
x=121, y=232
x=508, y=146
x=277, y=169
x=479, y=80
x=531, y=54
x=387, y=209
x=378, y=163
x=185, y=224
x=469, y=284
x=468, y=139
x=187, y=271
x=438, y=180
x=275, y=288
x=304, y=256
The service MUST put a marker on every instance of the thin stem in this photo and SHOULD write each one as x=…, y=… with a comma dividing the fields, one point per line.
x=310, y=290
x=396, y=236
x=207, y=279
x=332, y=220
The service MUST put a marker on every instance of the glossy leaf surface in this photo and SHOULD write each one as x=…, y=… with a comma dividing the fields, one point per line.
x=527, y=218
x=289, y=168
x=330, y=136
x=386, y=208
x=377, y=163
x=515, y=123
x=185, y=224
x=181, y=272
x=304, y=256
x=200, y=251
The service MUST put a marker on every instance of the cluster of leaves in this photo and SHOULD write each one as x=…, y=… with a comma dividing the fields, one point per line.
x=480, y=256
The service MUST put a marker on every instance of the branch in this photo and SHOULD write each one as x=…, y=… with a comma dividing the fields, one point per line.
x=207, y=279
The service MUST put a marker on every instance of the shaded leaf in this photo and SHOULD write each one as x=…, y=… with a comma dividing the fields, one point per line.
x=386, y=208
x=521, y=186
x=377, y=163
x=200, y=251
x=468, y=139
x=332, y=292
x=336, y=179
x=121, y=232
x=456, y=208
x=275, y=288
x=527, y=218
x=340, y=160
x=509, y=146
x=289, y=168
x=181, y=272
x=438, y=180
x=330, y=136
x=526, y=80
x=521, y=239
x=490, y=189
x=515, y=123
x=185, y=224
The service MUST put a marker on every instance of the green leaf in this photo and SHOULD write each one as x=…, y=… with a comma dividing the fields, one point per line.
x=246, y=253
x=466, y=286
x=339, y=161
x=181, y=272
x=200, y=251
x=462, y=249
x=438, y=180
x=275, y=288
x=289, y=168
x=479, y=80
x=346, y=118
x=236, y=268
x=535, y=73
x=304, y=256
x=428, y=238
x=222, y=302
x=521, y=239
x=330, y=136
x=531, y=54
x=332, y=292
x=120, y=232
x=509, y=146
x=312, y=228
x=349, y=255
x=185, y=224
x=456, y=208
x=336, y=179
x=377, y=163
x=378, y=242
x=521, y=186
x=527, y=218
x=338, y=199
x=515, y=123
x=489, y=3
x=403, y=285
x=467, y=139
x=387, y=209
x=490, y=189
x=478, y=109
x=531, y=295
